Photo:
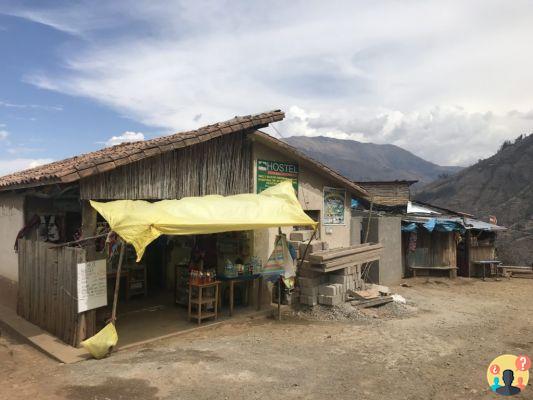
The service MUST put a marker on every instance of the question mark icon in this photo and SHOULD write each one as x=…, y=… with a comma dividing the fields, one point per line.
x=523, y=363
x=495, y=369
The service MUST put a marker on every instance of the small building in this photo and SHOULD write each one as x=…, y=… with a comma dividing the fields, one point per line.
x=441, y=239
x=389, y=201
x=49, y=205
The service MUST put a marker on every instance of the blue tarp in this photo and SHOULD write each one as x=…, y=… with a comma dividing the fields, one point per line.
x=409, y=227
x=434, y=224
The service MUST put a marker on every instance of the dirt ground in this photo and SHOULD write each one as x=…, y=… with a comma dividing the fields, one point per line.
x=438, y=347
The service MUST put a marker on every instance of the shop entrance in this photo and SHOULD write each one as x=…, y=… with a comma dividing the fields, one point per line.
x=154, y=293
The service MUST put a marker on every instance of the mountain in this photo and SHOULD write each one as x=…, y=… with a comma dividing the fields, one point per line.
x=501, y=185
x=370, y=162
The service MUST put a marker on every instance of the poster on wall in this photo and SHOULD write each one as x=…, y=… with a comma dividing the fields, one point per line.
x=270, y=173
x=334, y=200
x=92, y=285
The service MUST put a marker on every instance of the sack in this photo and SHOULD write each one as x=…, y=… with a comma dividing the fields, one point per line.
x=100, y=344
x=280, y=261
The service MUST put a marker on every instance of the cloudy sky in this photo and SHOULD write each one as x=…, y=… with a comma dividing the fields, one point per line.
x=449, y=81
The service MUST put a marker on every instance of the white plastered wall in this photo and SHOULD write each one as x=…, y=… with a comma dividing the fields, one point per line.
x=11, y=221
x=310, y=194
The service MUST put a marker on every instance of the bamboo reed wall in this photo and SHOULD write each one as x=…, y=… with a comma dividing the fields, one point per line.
x=47, y=289
x=219, y=166
x=390, y=194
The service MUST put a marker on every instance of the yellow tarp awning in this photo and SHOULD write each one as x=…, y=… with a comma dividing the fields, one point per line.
x=140, y=222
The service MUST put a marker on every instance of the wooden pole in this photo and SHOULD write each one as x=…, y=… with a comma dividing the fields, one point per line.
x=117, y=283
x=279, y=298
x=369, y=217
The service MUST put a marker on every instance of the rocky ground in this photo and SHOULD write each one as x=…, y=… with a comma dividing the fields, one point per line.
x=437, y=346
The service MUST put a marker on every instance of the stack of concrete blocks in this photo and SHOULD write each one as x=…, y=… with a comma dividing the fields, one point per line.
x=317, y=287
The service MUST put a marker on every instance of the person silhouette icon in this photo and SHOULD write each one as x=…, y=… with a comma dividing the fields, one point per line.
x=520, y=383
x=508, y=389
x=496, y=384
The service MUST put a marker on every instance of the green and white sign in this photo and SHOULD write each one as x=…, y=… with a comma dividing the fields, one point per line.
x=334, y=200
x=270, y=173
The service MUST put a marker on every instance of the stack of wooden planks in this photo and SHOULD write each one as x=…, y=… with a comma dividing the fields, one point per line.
x=516, y=271
x=331, y=260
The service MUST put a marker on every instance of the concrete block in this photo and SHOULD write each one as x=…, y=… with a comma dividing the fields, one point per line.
x=309, y=291
x=301, y=236
x=308, y=300
x=325, y=246
x=309, y=273
x=342, y=279
x=330, y=289
x=314, y=246
x=308, y=282
x=350, y=285
x=331, y=300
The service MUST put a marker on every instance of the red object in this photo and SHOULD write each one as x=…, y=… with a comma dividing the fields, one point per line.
x=523, y=363
x=495, y=369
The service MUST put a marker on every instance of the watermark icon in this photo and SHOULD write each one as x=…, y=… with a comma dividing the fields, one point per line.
x=509, y=374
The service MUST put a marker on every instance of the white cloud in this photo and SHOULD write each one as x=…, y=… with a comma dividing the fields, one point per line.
x=30, y=106
x=3, y=133
x=127, y=136
x=20, y=164
x=463, y=136
x=434, y=77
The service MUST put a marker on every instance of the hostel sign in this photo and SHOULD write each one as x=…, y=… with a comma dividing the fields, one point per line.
x=270, y=173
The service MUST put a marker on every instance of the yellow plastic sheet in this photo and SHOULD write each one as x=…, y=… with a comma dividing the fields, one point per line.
x=140, y=222
x=100, y=344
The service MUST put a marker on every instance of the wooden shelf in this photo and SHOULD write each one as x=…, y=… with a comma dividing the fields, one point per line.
x=206, y=300
x=206, y=315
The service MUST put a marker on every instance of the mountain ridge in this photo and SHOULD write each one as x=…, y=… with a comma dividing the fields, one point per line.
x=502, y=186
x=360, y=161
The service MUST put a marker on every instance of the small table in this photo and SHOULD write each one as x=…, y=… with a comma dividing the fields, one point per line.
x=489, y=263
x=202, y=300
x=240, y=279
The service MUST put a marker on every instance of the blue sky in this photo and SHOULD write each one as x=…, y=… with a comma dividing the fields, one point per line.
x=447, y=80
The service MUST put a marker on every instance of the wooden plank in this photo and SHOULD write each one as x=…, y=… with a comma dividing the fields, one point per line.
x=320, y=257
x=373, y=302
x=355, y=259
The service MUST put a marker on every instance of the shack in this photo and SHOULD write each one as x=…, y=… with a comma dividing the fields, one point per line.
x=48, y=206
x=439, y=240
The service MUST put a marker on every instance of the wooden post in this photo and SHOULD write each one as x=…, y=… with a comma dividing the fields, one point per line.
x=87, y=320
x=117, y=283
x=279, y=298
x=467, y=252
x=88, y=228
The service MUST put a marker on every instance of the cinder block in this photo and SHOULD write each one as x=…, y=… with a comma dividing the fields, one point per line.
x=309, y=273
x=350, y=285
x=330, y=300
x=301, y=236
x=312, y=247
x=308, y=300
x=309, y=291
x=342, y=279
x=330, y=289
x=309, y=282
